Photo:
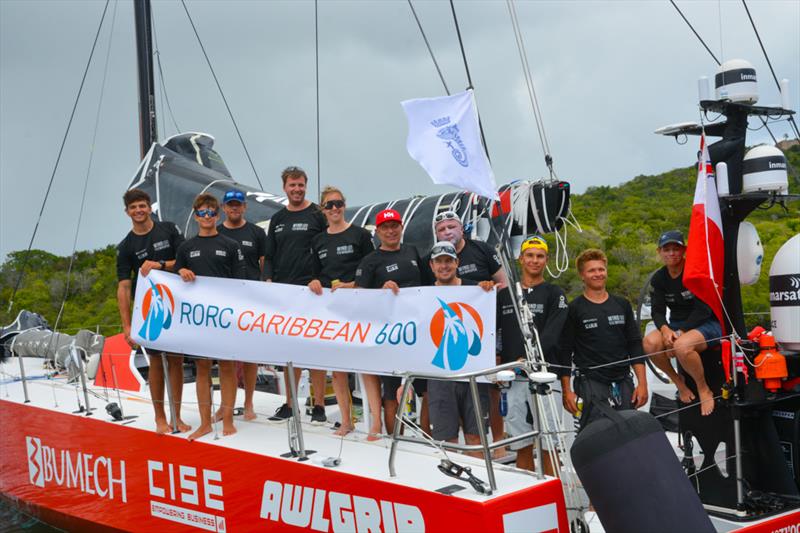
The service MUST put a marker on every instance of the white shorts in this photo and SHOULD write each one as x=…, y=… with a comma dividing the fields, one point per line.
x=519, y=420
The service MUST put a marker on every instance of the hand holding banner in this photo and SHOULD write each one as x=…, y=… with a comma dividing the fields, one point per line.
x=440, y=330
x=444, y=137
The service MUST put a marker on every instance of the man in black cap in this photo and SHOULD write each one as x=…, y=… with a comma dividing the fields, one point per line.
x=253, y=244
x=692, y=326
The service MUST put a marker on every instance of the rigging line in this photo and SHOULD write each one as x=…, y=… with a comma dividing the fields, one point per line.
x=161, y=80
x=428, y=45
x=469, y=76
x=222, y=93
x=719, y=20
x=316, y=80
x=771, y=69
x=88, y=171
x=58, y=160
x=537, y=112
x=694, y=31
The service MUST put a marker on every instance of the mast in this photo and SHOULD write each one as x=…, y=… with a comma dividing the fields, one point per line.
x=144, y=60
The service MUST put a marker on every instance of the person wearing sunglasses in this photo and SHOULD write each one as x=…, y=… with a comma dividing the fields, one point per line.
x=150, y=245
x=548, y=307
x=252, y=241
x=211, y=254
x=478, y=262
x=288, y=259
x=450, y=402
x=337, y=252
x=393, y=266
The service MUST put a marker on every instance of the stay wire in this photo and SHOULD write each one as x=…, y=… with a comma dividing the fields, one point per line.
x=100, y=99
x=469, y=76
x=222, y=93
x=58, y=160
x=162, y=82
x=771, y=69
x=430, y=50
x=316, y=81
x=694, y=31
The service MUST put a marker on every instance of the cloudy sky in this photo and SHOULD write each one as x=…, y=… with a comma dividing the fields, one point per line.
x=607, y=74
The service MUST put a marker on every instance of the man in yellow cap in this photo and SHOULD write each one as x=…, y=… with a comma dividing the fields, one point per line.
x=548, y=306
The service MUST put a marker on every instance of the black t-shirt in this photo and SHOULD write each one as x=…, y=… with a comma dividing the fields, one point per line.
x=253, y=243
x=596, y=334
x=666, y=291
x=337, y=255
x=548, y=305
x=288, y=258
x=159, y=244
x=218, y=256
x=476, y=261
x=401, y=266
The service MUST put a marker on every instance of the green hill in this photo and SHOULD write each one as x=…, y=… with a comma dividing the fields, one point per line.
x=625, y=221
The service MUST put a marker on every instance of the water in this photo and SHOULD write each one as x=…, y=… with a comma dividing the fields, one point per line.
x=12, y=520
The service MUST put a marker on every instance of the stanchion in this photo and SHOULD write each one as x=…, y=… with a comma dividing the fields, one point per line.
x=301, y=452
x=21, y=373
x=737, y=429
x=81, y=372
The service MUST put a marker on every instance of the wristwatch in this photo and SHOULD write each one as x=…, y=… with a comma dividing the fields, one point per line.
x=163, y=264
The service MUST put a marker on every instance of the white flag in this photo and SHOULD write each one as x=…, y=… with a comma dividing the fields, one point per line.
x=444, y=137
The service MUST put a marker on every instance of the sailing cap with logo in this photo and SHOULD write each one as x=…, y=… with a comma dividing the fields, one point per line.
x=387, y=215
x=233, y=195
x=671, y=236
x=533, y=242
x=443, y=248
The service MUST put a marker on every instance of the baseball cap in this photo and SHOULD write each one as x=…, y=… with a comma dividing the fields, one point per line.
x=443, y=248
x=533, y=242
x=671, y=236
x=233, y=195
x=446, y=215
x=387, y=215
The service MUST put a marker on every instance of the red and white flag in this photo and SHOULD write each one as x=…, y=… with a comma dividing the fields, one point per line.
x=705, y=253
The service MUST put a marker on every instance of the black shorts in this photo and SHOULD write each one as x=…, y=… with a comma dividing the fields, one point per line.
x=450, y=406
x=592, y=390
x=392, y=383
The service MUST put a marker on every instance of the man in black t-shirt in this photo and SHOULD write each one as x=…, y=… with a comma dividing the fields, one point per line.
x=288, y=259
x=211, y=254
x=602, y=339
x=252, y=241
x=548, y=307
x=450, y=402
x=393, y=266
x=692, y=326
x=149, y=245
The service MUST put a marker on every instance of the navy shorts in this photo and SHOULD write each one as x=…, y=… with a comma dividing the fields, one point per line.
x=710, y=330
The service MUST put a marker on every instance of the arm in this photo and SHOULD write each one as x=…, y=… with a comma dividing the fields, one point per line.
x=499, y=276
x=701, y=312
x=635, y=350
x=269, y=251
x=640, y=392
x=550, y=333
x=181, y=266
x=658, y=305
x=124, y=305
x=566, y=346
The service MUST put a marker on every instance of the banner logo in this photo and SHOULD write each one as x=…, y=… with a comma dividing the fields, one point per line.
x=34, y=446
x=157, y=309
x=456, y=329
x=449, y=135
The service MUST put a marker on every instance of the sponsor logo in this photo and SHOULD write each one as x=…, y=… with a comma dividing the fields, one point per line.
x=160, y=245
x=158, y=306
x=784, y=290
x=320, y=510
x=221, y=253
x=452, y=140
x=178, y=486
x=194, y=253
x=300, y=226
x=99, y=475
x=616, y=320
x=456, y=330
x=344, y=249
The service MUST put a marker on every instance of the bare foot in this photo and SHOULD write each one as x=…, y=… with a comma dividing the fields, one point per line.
x=183, y=427
x=249, y=413
x=499, y=453
x=684, y=393
x=344, y=430
x=228, y=428
x=162, y=427
x=218, y=415
x=204, y=429
x=706, y=401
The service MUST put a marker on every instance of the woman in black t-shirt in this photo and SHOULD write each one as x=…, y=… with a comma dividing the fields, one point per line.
x=336, y=254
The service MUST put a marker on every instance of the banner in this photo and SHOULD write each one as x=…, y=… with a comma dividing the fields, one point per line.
x=444, y=138
x=437, y=330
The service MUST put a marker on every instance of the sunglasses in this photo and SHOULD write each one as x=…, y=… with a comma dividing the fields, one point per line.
x=330, y=204
x=449, y=250
x=536, y=240
x=446, y=215
x=203, y=213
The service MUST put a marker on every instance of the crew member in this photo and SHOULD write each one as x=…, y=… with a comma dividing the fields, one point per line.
x=450, y=402
x=548, y=306
x=211, y=254
x=252, y=242
x=602, y=339
x=289, y=260
x=692, y=326
x=150, y=245
x=337, y=253
x=478, y=262
x=393, y=266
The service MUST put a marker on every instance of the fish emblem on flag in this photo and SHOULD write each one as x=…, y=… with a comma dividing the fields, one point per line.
x=157, y=309
x=449, y=135
x=456, y=330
